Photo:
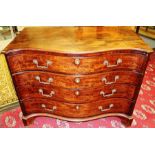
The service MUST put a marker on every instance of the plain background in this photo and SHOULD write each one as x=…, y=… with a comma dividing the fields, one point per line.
x=77, y=13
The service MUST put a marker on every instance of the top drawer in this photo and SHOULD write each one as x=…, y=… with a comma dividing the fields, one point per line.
x=76, y=63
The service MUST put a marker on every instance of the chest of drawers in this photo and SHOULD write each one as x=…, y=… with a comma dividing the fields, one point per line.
x=62, y=74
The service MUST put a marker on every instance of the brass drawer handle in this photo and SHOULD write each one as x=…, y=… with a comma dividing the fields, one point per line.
x=106, y=63
x=50, y=80
x=51, y=110
x=77, y=61
x=77, y=107
x=48, y=62
x=102, y=110
x=46, y=95
x=77, y=80
x=77, y=93
x=107, y=95
x=106, y=82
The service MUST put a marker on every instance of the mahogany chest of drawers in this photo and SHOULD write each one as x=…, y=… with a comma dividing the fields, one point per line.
x=77, y=73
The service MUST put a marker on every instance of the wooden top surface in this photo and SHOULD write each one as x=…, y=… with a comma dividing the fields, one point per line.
x=77, y=39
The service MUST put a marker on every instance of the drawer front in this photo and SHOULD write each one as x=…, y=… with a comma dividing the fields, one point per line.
x=76, y=95
x=115, y=105
x=76, y=81
x=73, y=64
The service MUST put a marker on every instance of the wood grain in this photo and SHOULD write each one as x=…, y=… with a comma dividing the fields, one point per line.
x=89, y=54
x=75, y=39
x=76, y=81
x=125, y=118
x=70, y=110
x=68, y=95
x=23, y=61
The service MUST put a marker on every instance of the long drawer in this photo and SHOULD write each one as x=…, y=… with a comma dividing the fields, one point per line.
x=76, y=95
x=76, y=81
x=76, y=110
x=76, y=64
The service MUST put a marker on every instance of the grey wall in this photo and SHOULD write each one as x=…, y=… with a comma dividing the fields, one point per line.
x=151, y=42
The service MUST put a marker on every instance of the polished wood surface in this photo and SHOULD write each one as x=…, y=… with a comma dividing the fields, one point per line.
x=76, y=81
x=77, y=73
x=125, y=118
x=76, y=95
x=71, y=110
x=24, y=61
x=77, y=39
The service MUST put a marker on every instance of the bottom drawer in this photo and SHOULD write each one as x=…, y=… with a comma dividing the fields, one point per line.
x=115, y=105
